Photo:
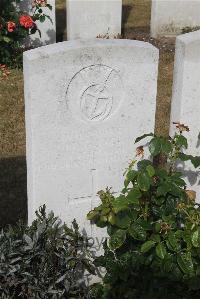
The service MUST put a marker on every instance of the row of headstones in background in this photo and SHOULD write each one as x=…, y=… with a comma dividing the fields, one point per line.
x=86, y=102
x=186, y=97
x=90, y=18
x=85, y=19
x=170, y=17
x=47, y=28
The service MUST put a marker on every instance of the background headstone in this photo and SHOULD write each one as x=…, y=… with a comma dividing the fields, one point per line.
x=48, y=28
x=90, y=18
x=186, y=97
x=86, y=102
x=169, y=17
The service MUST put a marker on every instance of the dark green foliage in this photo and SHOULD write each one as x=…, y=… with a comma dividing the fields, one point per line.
x=10, y=47
x=12, y=43
x=45, y=260
x=153, y=249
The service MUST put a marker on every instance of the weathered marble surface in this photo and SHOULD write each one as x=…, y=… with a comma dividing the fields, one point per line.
x=86, y=102
x=90, y=18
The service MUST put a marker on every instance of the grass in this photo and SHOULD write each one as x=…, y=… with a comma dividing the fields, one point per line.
x=136, y=16
x=136, y=25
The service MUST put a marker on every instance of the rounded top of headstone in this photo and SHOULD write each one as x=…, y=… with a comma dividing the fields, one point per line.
x=63, y=47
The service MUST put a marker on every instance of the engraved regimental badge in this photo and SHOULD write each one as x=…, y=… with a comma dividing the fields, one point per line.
x=95, y=92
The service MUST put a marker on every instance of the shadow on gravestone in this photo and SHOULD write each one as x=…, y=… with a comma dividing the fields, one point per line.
x=61, y=24
x=38, y=43
x=126, y=10
x=13, y=194
x=191, y=175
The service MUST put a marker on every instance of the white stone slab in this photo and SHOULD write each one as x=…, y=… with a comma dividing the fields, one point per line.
x=48, y=28
x=186, y=96
x=169, y=17
x=90, y=18
x=86, y=102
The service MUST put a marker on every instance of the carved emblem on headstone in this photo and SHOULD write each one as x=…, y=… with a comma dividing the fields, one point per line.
x=92, y=94
x=96, y=103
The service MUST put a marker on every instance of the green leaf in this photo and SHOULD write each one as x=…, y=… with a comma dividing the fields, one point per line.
x=117, y=239
x=103, y=218
x=155, y=146
x=146, y=225
x=161, y=251
x=157, y=227
x=100, y=223
x=92, y=215
x=105, y=211
x=7, y=39
x=187, y=238
x=196, y=238
x=142, y=165
x=185, y=262
x=168, y=264
x=123, y=220
x=42, y=18
x=39, y=32
x=181, y=141
x=33, y=30
x=131, y=175
x=178, y=181
x=120, y=204
x=151, y=171
x=133, y=196
x=143, y=136
x=161, y=173
x=143, y=181
x=155, y=238
x=112, y=218
x=147, y=246
x=173, y=241
x=184, y=157
x=199, y=136
x=166, y=146
x=49, y=6
x=195, y=161
x=163, y=189
x=137, y=232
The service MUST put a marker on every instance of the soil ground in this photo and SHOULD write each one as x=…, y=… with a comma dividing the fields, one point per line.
x=13, y=199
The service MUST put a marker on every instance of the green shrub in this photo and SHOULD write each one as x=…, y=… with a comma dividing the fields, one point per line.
x=45, y=260
x=15, y=26
x=153, y=249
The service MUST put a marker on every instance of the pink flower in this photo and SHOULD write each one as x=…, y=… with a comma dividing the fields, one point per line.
x=42, y=3
x=26, y=21
x=11, y=26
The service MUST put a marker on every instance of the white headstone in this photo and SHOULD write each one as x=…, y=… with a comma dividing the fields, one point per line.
x=47, y=28
x=186, y=96
x=169, y=17
x=91, y=18
x=86, y=102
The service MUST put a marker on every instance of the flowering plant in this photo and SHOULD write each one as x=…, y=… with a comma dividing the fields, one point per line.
x=15, y=25
x=153, y=226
